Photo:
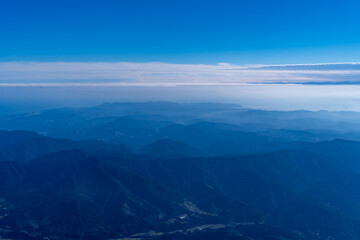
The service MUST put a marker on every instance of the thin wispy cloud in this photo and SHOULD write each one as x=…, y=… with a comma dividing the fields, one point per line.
x=97, y=74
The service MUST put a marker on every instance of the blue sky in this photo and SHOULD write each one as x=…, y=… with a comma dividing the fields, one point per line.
x=57, y=53
x=186, y=31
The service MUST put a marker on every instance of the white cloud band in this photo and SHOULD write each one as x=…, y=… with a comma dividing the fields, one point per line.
x=97, y=74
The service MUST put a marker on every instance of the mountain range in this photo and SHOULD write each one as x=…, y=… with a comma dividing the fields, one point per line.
x=139, y=173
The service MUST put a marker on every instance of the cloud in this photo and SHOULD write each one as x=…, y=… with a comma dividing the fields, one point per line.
x=97, y=74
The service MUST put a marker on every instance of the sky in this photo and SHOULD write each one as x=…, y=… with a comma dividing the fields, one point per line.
x=184, y=50
x=181, y=31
